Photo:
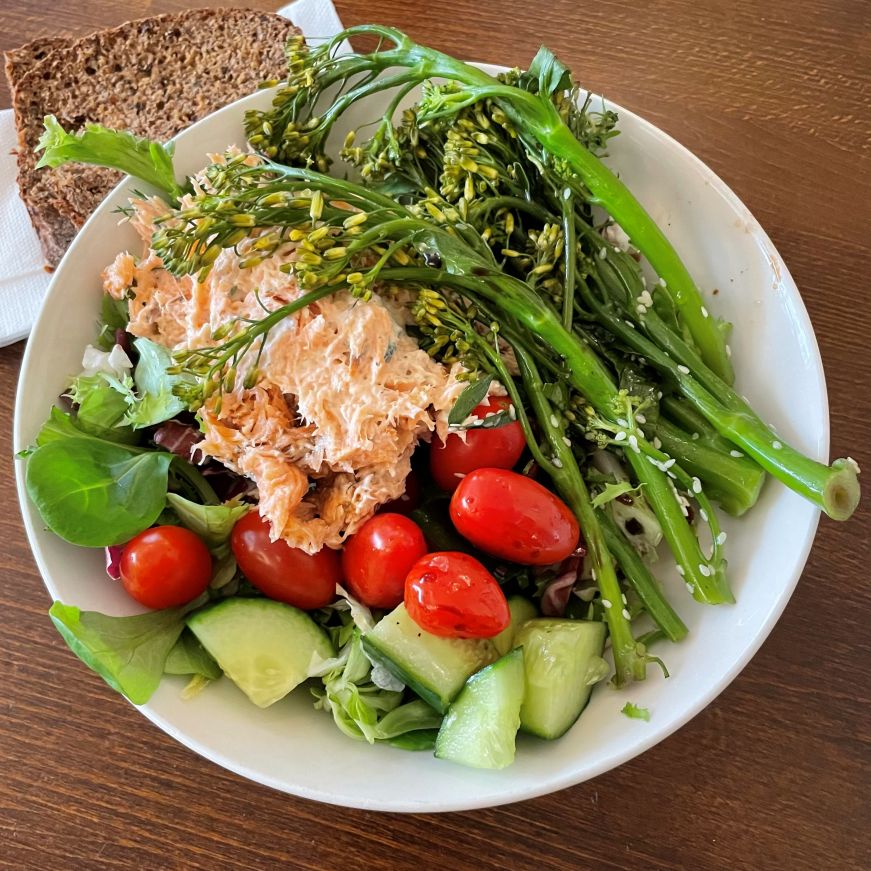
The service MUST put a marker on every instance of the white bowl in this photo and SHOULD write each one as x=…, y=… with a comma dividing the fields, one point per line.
x=294, y=748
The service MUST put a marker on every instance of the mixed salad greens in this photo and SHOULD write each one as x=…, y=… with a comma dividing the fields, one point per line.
x=611, y=425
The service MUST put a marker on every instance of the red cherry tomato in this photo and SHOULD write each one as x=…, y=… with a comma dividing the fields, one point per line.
x=513, y=517
x=408, y=501
x=451, y=594
x=284, y=573
x=498, y=448
x=165, y=566
x=377, y=559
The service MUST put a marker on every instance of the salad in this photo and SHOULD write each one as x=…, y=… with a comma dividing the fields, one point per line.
x=406, y=430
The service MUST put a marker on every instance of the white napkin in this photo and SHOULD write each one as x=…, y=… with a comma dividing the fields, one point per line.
x=23, y=276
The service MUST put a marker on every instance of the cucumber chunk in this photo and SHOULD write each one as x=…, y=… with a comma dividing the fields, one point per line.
x=435, y=668
x=562, y=660
x=481, y=725
x=264, y=647
x=521, y=610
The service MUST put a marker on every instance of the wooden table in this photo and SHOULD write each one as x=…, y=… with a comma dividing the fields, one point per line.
x=776, y=97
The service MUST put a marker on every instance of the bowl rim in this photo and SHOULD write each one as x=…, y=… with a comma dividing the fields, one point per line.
x=553, y=783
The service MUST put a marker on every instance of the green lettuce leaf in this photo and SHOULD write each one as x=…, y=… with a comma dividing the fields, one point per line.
x=212, y=523
x=188, y=656
x=94, y=493
x=101, y=408
x=114, y=315
x=146, y=160
x=635, y=712
x=154, y=401
x=129, y=653
x=612, y=491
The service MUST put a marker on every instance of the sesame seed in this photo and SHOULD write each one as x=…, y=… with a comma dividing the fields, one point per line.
x=641, y=418
x=662, y=282
x=621, y=436
x=680, y=570
x=853, y=465
x=626, y=614
x=557, y=462
x=622, y=421
x=606, y=603
x=671, y=474
x=603, y=253
x=728, y=351
x=594, y=576
x=668, y=464
x=657, y=443
x=697, y=485
x=623, y=598
x=735, y=454
x=705, y=312
x=703, y=514
x=721, y=538
x=460, y=475
x=567, y=193
x=641, y=309
x=683, y=369
x=659, y=394
x=630, y=324
x=512, y=412
x=690, y=587
x=567, y=441
x=633, y=443
x=553, y=420
x=776, y=445
x=694, y=436
x=704, y=570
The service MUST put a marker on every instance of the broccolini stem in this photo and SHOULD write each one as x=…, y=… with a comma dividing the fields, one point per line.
x=706, y=579
x=630, y=664
x=641, y=579
x=571, y=258
x=733, y=482
x=834, y=489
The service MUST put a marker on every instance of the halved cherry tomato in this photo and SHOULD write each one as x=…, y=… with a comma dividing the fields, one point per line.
x=513, y=517
x=165, y=566
x=451, y=594
x=285, y=573
x=408, y=501
x=499, y=448
x=377, y=559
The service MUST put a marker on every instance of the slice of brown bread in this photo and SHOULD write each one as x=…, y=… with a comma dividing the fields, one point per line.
x=20, y=61
x=154, y=77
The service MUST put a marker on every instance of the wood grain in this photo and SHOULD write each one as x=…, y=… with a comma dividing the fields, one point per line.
x=776, y=97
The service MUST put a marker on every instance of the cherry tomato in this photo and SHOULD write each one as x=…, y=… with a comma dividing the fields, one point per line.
x=284, y=573
x=377, y=559
x=496, y=448
x=165, y=566
x=451, y=594
x=513, y=517
x=408, y=501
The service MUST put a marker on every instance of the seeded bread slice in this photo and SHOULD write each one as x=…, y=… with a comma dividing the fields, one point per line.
x=154, y=77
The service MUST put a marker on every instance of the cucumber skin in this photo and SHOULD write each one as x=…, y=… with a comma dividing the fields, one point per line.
x=511, y=660
x=551, y=735
x=432, y=698
x=384, y=651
